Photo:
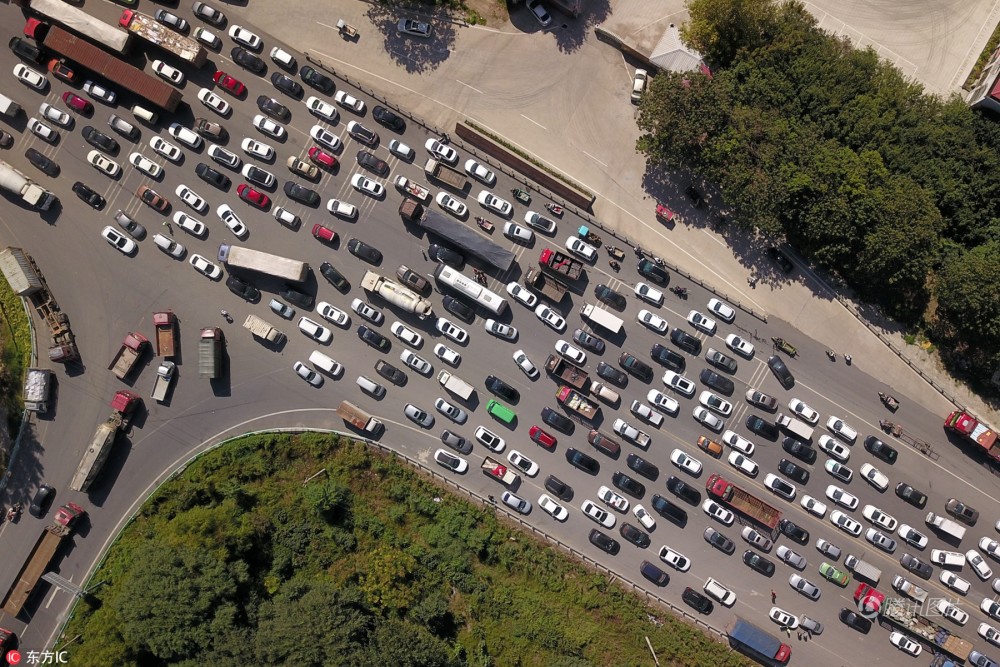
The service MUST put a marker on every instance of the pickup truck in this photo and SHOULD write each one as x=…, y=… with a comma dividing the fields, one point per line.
x=904, y=586
x=567, y=372
x=547, y=286
x=164, y=376
x=561, y=263
x=499, y=472
x=413, y=189
x=574, y=400
x=129, y=353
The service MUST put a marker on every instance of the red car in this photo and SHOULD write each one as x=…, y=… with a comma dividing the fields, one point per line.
x=541, y=437
x=77, y=103
x=223, y=80
x=319, y=156
x=251, y=196
x=324, y=233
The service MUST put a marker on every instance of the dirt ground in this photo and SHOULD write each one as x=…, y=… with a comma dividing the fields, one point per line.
x=493, y=12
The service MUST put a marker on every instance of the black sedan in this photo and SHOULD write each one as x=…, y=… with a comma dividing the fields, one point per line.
x=100, y=140
x=247, y=60
x=757, y=562
x=273, y=108
x=502, y=389
x=603, y=542
x=242, y=288
x=557, y=421
x=85, y=193
x=634, y=535
x=316, y=79
x=388, y=118
x=302, y=194
x=390, y=372
x=362, y=250
x=213, y=176
x=41, y=500
x=374, y=338
x=372, y=163
x=45, y=164
x=287, y=85
x=588, y=341
x=334, y=277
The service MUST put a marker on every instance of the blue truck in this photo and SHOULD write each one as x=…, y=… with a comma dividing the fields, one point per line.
x=750, y=640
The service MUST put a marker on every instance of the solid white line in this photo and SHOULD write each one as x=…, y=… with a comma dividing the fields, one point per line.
x=471, y=87
x=328, y=26
x=535, y=122
x=594, y=158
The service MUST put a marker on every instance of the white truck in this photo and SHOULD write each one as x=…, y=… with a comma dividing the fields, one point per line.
x=263, y=329
x=904, y=586
x=602, y=317
x=164, y=376
x=946, y=526
x=396, y=294
x=863, y=569
x=456, y=385
x=31, y=193
x=413, y=189
x=37, y=386
x=358, y=418
x=796, y=427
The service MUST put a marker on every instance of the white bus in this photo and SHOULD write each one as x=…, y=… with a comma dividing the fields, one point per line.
x=457, y=281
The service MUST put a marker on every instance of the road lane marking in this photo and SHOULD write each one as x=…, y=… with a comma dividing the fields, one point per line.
x=535, y=122
x=468, y=86
x=595, y=160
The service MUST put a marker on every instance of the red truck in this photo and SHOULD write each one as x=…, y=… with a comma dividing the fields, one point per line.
x=744, y=502
x=499, y=471
x=132, y=348
x=974, y=431
x=560, y=263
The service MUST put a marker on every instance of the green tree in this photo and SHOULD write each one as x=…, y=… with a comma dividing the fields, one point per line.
x=720, y=29
x=387, y=580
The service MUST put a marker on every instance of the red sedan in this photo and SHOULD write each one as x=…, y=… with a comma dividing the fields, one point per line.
x=319, y=156
x=223, y=80
x=77, y=103
x=324, y=233
x=541, y=437
x=251, y=196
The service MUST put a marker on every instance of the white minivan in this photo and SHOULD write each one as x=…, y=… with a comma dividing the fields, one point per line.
x=719, y=592
x=283, y=58
x=325, y=363
x=185, y=136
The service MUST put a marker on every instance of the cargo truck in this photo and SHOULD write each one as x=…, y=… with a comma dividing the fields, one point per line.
x=81, y=22
x=975, y=431
x=499, y=472
x=164, y=376
x=263, y=262
x=440, y=171
x=165, y=323
x=160, y=35
x=561, y=263
x=862, y=569
x=902, y=615
x=795, y=427
x=358, y=418
x=40, y=557
x=96, y=453
x=904, y=586
x=411, y=188
x=456, y=385
x=746, y=503
x=602, y=317
x=946, y=526
x=394, y=293
x=570, y=374
x=26, y=190
x=573, y=400
x=263, y=329
x=210, y=353
x=764, y=647
x=128, y=354
x=26, y=280
x=545, y=285
x=37, y=387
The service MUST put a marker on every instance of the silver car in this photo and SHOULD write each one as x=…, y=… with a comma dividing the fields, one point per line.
x=804, y=586
x=452, y=412
x=419, y=416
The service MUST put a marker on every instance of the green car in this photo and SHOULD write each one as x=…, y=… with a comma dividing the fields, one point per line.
x=834, y=575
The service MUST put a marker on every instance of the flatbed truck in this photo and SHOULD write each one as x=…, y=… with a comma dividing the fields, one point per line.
x=399, y=296
x=561, y=263
x=263, y=329
x=456, y=385
x=573, y=400
x=165, y=323
x=149, y=29
x=358, y=418
x=440, y=171
x=128, y=354
x=96, y=453
x=746, y=503
x=164, y=376
x=37, y=388
x=545, y=285
x=570, y=374
x=602, y=317
x=902, y=615
x=764, y=647
x=499, y=471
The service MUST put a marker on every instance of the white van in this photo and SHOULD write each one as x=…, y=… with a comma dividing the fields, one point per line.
x=371, y=387
x=286, y=217
x=604, y=392
x=169, y=246
x=283, y=58
x=9, y=106
x=720, y=593
x=145, y=114
x=325, y=363
x=185, y=136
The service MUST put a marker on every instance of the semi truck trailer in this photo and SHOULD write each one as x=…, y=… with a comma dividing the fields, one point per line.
x=24, y=188
x=399, y=296
x=96, y=453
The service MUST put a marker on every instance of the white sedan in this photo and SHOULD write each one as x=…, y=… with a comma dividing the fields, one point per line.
x=314, y=330
x=581, y=248
x=307, y=374
x=452, y=205
x=650, y=294
x=744, y=464
x=447, y=355
x=231, y=220
x=912, y=537
x=813, y=506
x=205, y=267
x=879, y=518
x=715, y=403
x=171, y=74
x=841, y=429
x=598, y=514
x=904, y=643
x=30, y=77
x=724, y=311
x=646, y=413
x=612, y=499
x=349, y=101
x=679, y=383
x=738, y=442
x=191, y=198
x=441, y=151
x=845, y=523
x=950, y=610
x=416, y=362
x=99, y=92
x=368, y=186
x=214, y=102
x=398, y=148
x=574, y=354
x=373, y=315
x=452, y=412
x=647, y=521
x=717, y=512
x=708, y=419
x=686, y=463
x=674, y=559
x=522, y=294
x=480, y=173
x=257, y=149
x=803, y=411
x=551, y=507
x=841, y=497
x=653, y=321
x=332, y=314
x=663, y=402
x=500, y=330
x=168, y=150
x=324, y=110
x=699, y=321
x=119, y=241
x=451, y=330
x=834, y=448
x=55, y=114
x=783, y=618
x=489, y=200
x=524, y=363
x=243, y=36
x=103, y=163
x=450, y=461
x=522, y=463
x=978, y=565
x=739, y=346
x=145, y=165
x=874, y=476
x=551, y=318
x=268, y=126
x=516, y=232
x=406, y=334
x=43, y=130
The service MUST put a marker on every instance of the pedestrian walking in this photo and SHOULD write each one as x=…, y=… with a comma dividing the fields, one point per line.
x=492, y=499
x=774, y=597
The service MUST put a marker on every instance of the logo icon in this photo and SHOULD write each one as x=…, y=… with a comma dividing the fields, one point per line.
x=13, y=657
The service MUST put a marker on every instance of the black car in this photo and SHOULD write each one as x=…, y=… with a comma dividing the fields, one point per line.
x=258, y=176
x=643, y=467
x=459, y=309
x=582, y=461
x=634, y=535
x=916, y=566
x=667, y=357
x=588, y=341
x=300, y=299
x=880, y=450
x=668, y=510
x=334, y=277
x=388, y=118
x=6, y=139
x=685, y=341
x=720, y=383
x=793, y=471
x=654, y=573
x=439, y=253
x=780, y=259
x=799, y=449
x=100, y=140
x=651, y=270
x=853, y=619
x=781, y=372
x=611, y=374
x=273, y=108
x=213, y=176
x=374, y=338
x=372, y=163
x=911, y=495
x=762, y=427
x=683, y=490
x=41, y=500
x=248, y=61
x=793, y=530
x=316, y=79
x=757, y=562
x=301, y=194
x=557, y=421
x=242, y=288
x=697, y=600
x=607, y=295
x=558, y=488
x=85, y=193
x=603, y=542
x=390, y=373
x=362, y=133
x=719, y=541
x=45, y=164
x=720, y=360
x=638, y=368
x=286, y=84
x=502, y=389
x=628, y=484
x=25, y=50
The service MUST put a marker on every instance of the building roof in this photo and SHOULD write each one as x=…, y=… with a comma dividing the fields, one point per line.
x=671, y=55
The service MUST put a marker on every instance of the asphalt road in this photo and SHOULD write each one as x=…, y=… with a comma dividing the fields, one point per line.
x=107, y=294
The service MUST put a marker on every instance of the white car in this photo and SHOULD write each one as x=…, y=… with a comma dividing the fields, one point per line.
x=845, y=523
x=674, y=559
x=257, y=149
x=708, y=419
x=42, y=130
x=650, y=294
x=243, y=36
x=904, y=643
x=367, y=186
x=55, y=114
x=598, y=514
x=522, y=463
x=663, y=402
x=783, y=618
x=406, y=334
x=185, y=135
x=191, y=198
x=489, y=200
x=323, y=136
x=399, y=149
x=551, y=318
x=780, y=486
x=332, y=314
x=644, y=517
x=813, y=506
x=99, y=92
x=715, y=403
x=500, y=330
x=489, y=439
x=745, y=465
x=231, y=220
x=171, y=74
x=879, y=518
x=314, y=330
x=342, y=209
x=991, y=547
x=447, y=355
x=841, y=429
x=348, y=101
x=524, y=363
x=581, y=248
x=699, y=321
x=258, y=176
x=450, y=461
x=834, y=448
x=452, y=412
x=551, y=507
x=739, y=346
x=646, y=413
x=324, y=110
x=539, y=222
x=103, y=163
x=214, y=102
x=803, y=411
x=755, y=539
x=722, y=309
x=738, y=442
x=168, y=150
x=30, y=77
x=839, y=470
x=841, y=497
x=373, y=315
x=223, y=156
x=268, y=126
x=541, y=15
x=679, y=383
x=874, y=476
x=480, y=173
x=514, y=502
x=990, y=608
x=307, y=374
x=612, y=499
x=145, y=165
x=653, y=322
x=574, y=354
x=522, y=294
x=979, y=565
x=205, y=267
x=452, y=205
x=950, y=610
x=685, y=462
x=989, y=633
x=912, y=536
x=717, y=511
x=451, y=330
x=441, y=151
x=516, y=232
x=119, y=241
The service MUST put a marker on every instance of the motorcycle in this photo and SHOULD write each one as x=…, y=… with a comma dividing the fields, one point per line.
x=14, y=513
x=614, y=265
x=889, y=401
x=680, y=291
